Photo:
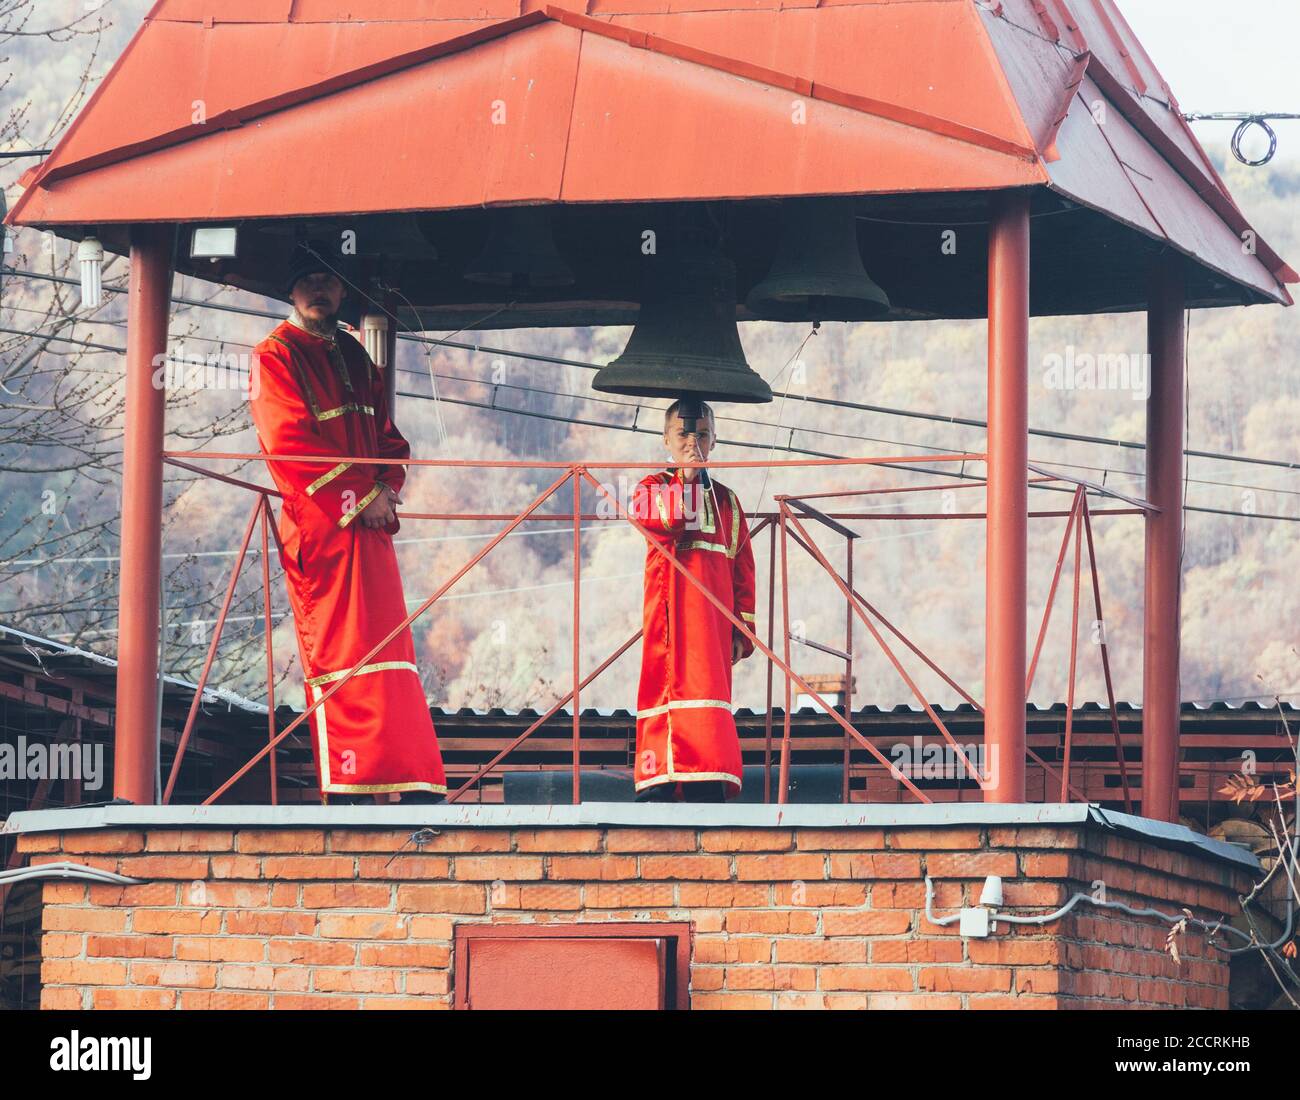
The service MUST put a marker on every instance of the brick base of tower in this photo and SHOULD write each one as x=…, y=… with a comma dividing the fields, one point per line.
x=787, y=907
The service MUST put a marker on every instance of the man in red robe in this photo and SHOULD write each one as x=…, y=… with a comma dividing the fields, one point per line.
x=317, y=393
x=686, y=741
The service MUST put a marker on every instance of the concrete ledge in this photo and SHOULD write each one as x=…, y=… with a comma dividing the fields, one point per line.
x=685, y=815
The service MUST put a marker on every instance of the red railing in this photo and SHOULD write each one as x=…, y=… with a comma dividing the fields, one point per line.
x=786, y=525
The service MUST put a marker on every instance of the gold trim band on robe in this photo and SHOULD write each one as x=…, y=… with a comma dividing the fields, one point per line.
x=683, y=704
x=709, y=524
x=325, y=479
x=748, y=616
x=378, y=666
x=328, y=786
x=663, y=512
x=672, y=775
x=382, y=788
x=686, y=777
x=348, y=517
x=330, y=414
x=716, y=547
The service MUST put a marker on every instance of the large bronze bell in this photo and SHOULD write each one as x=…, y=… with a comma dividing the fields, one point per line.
x=685, y=341
x=520, y=252
x=817, y=274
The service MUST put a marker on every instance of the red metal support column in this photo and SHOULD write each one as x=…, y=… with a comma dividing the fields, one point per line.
x=771, y=624
x=577, y=634
x=783, y=773
x=848, y=665
x=136, y=735
x=1164, y=541
x=1008, y=497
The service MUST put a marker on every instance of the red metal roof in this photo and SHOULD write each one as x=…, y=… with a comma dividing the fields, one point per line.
x=625, y=100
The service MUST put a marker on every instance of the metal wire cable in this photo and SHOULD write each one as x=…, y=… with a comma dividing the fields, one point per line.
x=1106, y=471
x=64, y=869
x=808, y=399
x=1170, y=918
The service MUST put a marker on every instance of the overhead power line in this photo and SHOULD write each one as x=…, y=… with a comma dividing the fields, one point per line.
x=830, y=402
x=787, y=448
x=636, y=408
x=1245, y=121
x=813, y=454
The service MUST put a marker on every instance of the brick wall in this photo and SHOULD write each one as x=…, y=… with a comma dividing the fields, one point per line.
x=782, y=917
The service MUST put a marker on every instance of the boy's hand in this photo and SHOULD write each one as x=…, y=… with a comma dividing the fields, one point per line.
x=690, y=473
x=737, y=648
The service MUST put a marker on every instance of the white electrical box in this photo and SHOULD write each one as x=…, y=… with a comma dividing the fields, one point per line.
x=975, y=923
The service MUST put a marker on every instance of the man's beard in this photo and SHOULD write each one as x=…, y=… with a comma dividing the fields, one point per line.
x=324, y=327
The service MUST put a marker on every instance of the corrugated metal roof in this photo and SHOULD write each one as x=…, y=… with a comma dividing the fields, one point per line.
x=624, y=100
x=865, y=713
x=55, y=657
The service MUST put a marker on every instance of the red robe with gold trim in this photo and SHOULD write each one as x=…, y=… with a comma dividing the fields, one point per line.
x=318, y=396
x=684, y=728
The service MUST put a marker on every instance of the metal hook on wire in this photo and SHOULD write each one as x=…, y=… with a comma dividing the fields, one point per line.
x=1245, y=122
x=1243, y=128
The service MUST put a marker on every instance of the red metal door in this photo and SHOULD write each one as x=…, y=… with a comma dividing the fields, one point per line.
x=582, y=966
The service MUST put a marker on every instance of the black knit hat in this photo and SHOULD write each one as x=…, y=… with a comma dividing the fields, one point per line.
x=311, y=257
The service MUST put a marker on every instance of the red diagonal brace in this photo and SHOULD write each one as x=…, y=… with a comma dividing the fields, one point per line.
x=1051, y=591
x=880, y=641
x=1105, y=657
x=486, y=768
x=212, y=654
x=270, y=746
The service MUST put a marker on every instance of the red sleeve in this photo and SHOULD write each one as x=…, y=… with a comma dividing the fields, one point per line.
x=285, y=425
x=660, y=506
x=742, y=576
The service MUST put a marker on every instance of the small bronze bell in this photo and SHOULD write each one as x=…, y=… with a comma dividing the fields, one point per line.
x=685, y=340
x=520, y=252
x=817, y=274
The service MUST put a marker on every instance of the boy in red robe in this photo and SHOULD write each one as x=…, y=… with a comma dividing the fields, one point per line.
x=316, y=392
x=686, y=741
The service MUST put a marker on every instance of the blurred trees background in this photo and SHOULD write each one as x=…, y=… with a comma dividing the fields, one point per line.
x=503, y=637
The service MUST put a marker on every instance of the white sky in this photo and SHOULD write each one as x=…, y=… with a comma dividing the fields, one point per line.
x=1226, y=55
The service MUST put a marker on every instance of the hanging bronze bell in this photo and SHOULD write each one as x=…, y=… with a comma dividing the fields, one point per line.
x=817, y=274
x=685, y=341
x=520, y=252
